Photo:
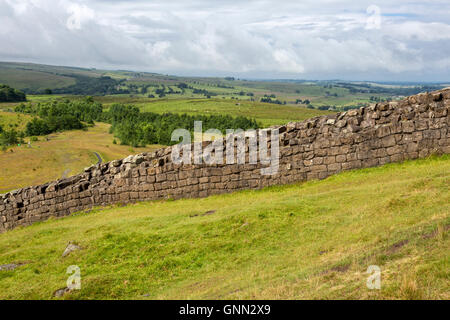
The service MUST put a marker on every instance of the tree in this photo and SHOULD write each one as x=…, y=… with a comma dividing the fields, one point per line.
x=37, y=127
x=8, y=94
x=9, y=137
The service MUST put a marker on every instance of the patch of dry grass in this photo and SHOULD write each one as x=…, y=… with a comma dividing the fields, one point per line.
x=65, y=153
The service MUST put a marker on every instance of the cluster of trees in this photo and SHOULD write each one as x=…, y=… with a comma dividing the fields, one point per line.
x=38, y=127
x=271, y=99
x=329, y=94
x=224, y=86
x=379, y=99
x=93, y=86
x=8, y=94
x=9, y=137
x=137, y=128
x=204, y=92
x=306, y=101
x=61, y=115
x=128, y=124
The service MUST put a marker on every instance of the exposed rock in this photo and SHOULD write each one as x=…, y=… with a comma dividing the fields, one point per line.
x=341, y=123
x=116, y=163
x=9, y=267
x=61, y=292
x=70, y=248
x=128, y=159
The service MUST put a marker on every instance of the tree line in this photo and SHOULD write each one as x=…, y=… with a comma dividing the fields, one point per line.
x=137, y=128
x=8, y=94
x=60, y=115
x=128, y=123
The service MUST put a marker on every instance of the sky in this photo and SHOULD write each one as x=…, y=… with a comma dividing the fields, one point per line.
x=302, y=39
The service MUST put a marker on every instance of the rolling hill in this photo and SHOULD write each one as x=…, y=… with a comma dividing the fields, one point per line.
x=333, y=94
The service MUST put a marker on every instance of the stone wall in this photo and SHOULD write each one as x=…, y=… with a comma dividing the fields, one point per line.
x=313, y=149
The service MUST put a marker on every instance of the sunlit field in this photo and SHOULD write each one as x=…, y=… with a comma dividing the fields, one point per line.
x=311, y=240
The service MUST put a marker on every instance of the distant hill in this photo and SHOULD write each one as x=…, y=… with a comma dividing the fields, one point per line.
x=36, y=78
x=332, y=95
x=32, y=77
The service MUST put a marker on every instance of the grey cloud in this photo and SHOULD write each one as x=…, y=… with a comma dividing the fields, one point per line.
x=292, y=39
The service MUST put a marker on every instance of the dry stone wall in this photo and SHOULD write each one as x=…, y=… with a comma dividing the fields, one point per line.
x=412, y=128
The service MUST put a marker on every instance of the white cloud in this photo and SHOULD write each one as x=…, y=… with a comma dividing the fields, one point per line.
x=296, y=39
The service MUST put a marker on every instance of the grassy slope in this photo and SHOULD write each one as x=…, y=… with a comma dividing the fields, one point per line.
x=13, y=120
x=310, y=240
x=39, y=77
x=48, y=160
x=35, y=80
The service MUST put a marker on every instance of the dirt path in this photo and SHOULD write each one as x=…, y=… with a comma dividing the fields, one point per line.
x=99, y=158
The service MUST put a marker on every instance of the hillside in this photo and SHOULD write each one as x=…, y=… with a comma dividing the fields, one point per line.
x=34, y=77
x=63, y=154
x=323, y=95
x=308, y=240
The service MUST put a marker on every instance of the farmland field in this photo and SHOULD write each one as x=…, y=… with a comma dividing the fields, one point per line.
x=264, y=113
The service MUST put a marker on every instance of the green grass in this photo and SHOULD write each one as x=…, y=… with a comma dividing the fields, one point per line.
x=11, y=120
x=34, y=80
x=310, y=240
x=264, y=113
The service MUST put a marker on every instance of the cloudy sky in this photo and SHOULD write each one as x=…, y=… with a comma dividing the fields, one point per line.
x=302, y=39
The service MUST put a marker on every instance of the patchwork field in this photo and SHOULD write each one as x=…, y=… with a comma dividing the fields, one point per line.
x=311, y=240
x=35, y=79
x=66, y=153
x=264, y=113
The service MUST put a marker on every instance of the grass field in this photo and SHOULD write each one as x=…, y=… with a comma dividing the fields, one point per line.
x=264, y=113
x=66, y=153
x=34, y=80
x=11, y=120
x=311, y=240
